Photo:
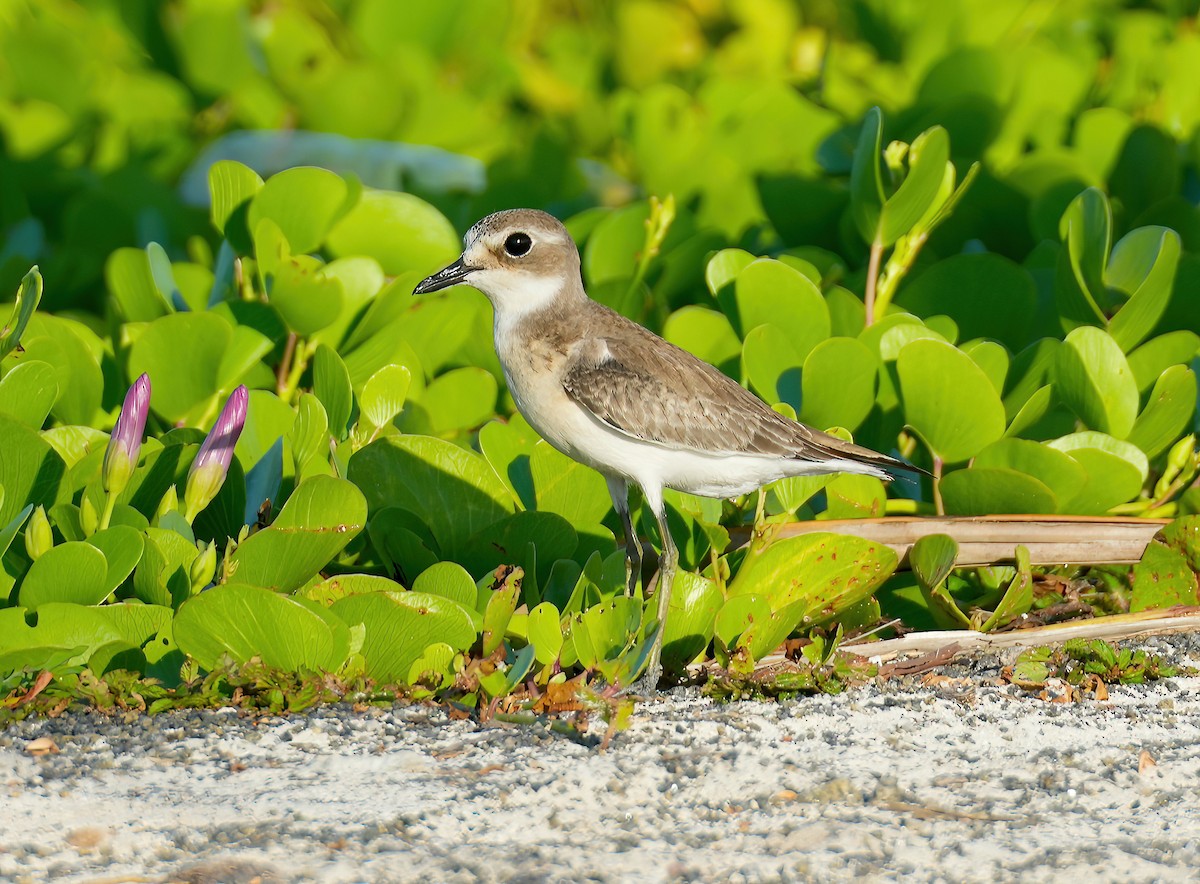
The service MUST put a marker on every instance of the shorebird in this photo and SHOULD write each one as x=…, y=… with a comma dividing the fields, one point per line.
x=614, y=396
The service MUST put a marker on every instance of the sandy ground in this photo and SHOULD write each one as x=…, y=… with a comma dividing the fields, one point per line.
x=957, y=782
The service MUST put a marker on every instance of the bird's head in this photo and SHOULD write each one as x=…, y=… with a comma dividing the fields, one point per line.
x=522, y=259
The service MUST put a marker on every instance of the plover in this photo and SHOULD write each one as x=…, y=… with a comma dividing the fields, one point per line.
x=618, y=398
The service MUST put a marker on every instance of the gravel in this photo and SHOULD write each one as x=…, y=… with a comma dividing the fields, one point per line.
x=958, y=780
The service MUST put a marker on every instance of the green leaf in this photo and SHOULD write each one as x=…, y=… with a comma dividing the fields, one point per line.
x=331, y=385
x=992, y=358
x=866, y=180
x=706, y=334
x=1056, y=470
x=1116, y=471
x=306, y=298
x=384, y=393
x=333, y=589
x=564, y=486
x=1086, y=229
x=400, y=626
x=544, y=631
x=932, y=558
x=400, y=231
x=1018, y=597
x=322, y=516
x=31, y=472
x=1093, y=379
x=724, y=266
x=74, y=351
x=770, y=291
x=496, y=616
x=305, y=202
x=131, y=284
x=77, y=631
x=772, y=366
x=948, y=400
x=455, y=489
x=28, y=392
x=182, y=353
x=448, y=580
x=1169, y=412
x=982, y=491
x=737, y=614
x=309, y=434
x=70, y=572
x=838, y=383
x=29, y=295
x=230, y=184
x=827, y=572
x=243, y=621
x=1150, y=360
x=1162, y=579
x=988, y=295
x=122, y=547
x=1182, y=535
x=1143, y=265
x=691, y=621
x=508, y=447
x=460, y=399
x=928, y=156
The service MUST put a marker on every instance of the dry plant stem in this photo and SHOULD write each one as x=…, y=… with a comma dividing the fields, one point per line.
x=872, y=281
x=1120, y=626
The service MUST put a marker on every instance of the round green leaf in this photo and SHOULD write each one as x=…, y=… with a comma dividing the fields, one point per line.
x=243, y=621
x=29, y=391
x=1162, y=579
x=543, y=629
x=230, y=184
x=454, y=488
x=448, y=580
x=704, y=333
x=982, y=491
x=383, y=394
x=932, y=558
x=770, y=291
x=1169, y=412
x=182, y=353
x=1054, y=469
x=828, y=572
x=305, y=202
x=772, y=366
x=70, y=572
x=122, y=547
x=838, y=384
x=401, y=625
x=322, y=515
x=948, y=400
x=1093, y=379
x=400, y=231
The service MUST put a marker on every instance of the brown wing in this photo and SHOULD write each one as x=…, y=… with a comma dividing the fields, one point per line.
x=639, y=384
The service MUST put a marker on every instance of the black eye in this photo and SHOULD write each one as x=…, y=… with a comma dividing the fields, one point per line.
x=518, y=244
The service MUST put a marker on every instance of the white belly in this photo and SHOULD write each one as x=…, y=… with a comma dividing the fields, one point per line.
x=578, y=434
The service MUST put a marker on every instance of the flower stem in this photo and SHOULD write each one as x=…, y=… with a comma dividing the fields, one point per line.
x=872, y=281
x=938, y=466
x=110, y=503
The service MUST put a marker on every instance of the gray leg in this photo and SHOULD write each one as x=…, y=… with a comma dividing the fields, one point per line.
x=618, y=490
x=666, y=576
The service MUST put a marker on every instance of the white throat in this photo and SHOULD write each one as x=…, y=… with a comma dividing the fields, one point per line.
x=515, y=295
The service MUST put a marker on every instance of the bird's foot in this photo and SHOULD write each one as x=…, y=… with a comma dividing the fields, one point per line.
x=647, y=685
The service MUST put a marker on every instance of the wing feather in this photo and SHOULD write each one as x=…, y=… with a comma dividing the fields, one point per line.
x=649, y=389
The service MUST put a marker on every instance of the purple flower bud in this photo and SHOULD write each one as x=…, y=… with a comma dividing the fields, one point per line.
x=211, y=465
x=125, y=443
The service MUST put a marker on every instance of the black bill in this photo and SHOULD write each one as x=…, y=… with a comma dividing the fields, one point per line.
x=444, y=278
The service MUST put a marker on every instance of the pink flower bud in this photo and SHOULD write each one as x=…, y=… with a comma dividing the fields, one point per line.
x=125, y=443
